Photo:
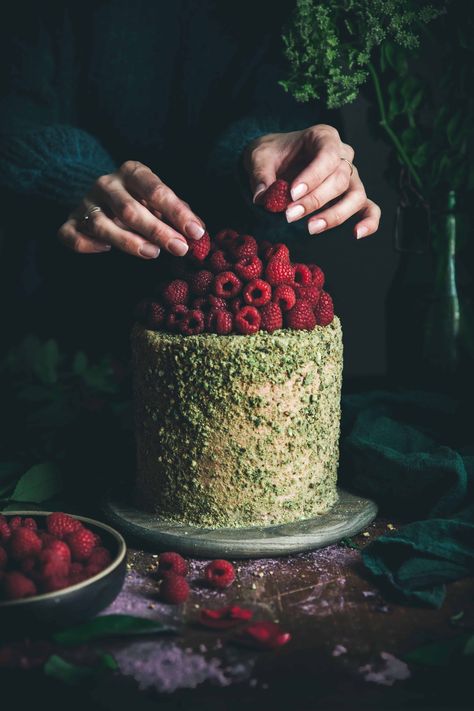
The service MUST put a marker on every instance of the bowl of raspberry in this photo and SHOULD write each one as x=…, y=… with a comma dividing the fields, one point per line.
x=56, y=569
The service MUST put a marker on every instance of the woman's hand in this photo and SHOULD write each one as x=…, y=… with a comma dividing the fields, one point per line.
x=138, y=214
x=318, y=164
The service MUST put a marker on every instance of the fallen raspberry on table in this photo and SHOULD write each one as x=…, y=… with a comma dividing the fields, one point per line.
x=15, y=586
x=324, y=311
x=279, y=271
x=58, y=524
x=301, y=316
x=170, y=563
x=309, y=293
x=174, y=589
x=219, y=574
x=81, y=544
x=276, y=197
x=200, y=282
x=226, y=285
x=302, y=275
x=199, y=248
x=192, y=323
x=175, y=316
x=225, y=617
x=248, y=268
x=257, y=292
x=271, y=317
x=284, y=296
x=247, y=321
x=263, y=635
x=176, y=292
x=23, y=543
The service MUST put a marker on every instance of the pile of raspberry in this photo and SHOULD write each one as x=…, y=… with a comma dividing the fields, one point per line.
x=36, y=560
x=233, y=284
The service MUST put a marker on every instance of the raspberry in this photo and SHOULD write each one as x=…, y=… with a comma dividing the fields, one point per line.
x=257, y=292
x=247, y=320
x=100, y=558
x=226, y=285
x=171, y=564
x=176, y=292
x=308, y=293
x=60, y=548
x=46, y=538
x=284, y=295
x=216, y=302
x=16, y=585
x=28, y=565
x=225, y=617
x=200, y=282
x=174, y=589
x=49, y=564
x=15, y=522
x=175, y=315
x=324, y=311
x=301, y=316
x=3, y=558
x=263, y=635
x=220, y=321
x=5, y=532
x=23, y=543
x=236, y=304
x=219, y=574
x=279, y=271
x=77, y=574
x=277, y=197
x=318, y=275
x=248, y=268
x=271, y=317
x=199, y=248
x=81, y=544
x=219, y=262
x=192, y=323
x=54, y=582
x=303, y=275
x=225, y=238
x=30, y=523
x=151, y=314
x=209, y=303
x=244, y=246
x=278, y=250
x=58, y=524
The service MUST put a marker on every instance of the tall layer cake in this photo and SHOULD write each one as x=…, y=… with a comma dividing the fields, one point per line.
x=237, y=431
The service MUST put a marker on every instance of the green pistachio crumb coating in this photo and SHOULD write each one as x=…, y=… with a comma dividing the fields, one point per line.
x=237, y=431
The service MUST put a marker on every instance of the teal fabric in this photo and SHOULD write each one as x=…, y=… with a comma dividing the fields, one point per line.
x=404, y=451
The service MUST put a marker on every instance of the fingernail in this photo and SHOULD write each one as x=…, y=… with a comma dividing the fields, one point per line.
x=317, y=226
x=299, y=190
x=149, y=250
x=361, y=232
x=261, y=187
x=194, y=230
x=293, y=212
x=178, y=247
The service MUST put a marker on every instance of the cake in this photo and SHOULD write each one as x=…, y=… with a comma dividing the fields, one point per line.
x=237, y=369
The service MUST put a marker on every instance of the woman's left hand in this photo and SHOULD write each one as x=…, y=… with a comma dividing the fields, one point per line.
x=323, y=178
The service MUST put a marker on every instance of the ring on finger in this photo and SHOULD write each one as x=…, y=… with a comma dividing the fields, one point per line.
x=351, y=165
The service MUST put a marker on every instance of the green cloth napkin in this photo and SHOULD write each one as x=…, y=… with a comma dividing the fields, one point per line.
x=403, y=451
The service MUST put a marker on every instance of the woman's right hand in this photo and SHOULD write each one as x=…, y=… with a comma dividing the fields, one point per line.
x=138, y=214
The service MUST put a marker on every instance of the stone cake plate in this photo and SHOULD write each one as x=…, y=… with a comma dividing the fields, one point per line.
x=349, y=515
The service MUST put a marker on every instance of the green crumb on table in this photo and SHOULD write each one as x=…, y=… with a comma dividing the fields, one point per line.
x=236, y=431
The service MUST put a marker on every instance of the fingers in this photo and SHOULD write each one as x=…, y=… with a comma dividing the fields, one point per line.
x=147, y=186
x=336, y=184
x=352, y=202
x=261, y=166
x=72, y=238
x=369, y=224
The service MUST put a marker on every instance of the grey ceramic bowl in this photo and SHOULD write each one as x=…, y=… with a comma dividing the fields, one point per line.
x=73, y=604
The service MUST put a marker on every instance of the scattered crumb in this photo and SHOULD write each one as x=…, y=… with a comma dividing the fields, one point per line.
x=366, y=534
x=368, y=593
x=386, y=672
x=391, y=527
x=338, y=650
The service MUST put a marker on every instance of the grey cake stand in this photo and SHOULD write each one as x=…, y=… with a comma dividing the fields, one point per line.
x=349, y=515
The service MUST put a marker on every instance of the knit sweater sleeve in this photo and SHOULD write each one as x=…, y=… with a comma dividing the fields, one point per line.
x=43, y=154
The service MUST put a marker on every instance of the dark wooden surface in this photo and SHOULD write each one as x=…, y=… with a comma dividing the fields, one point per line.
x=325, y=601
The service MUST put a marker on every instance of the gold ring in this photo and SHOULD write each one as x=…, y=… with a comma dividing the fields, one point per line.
x=351, y=166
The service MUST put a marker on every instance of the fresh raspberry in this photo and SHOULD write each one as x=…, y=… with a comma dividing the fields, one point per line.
x=151, y=314
x=46, y=538
x=28, y=565
x=3, y=558
x=200, y=282
x=225, y=617
x=248, y=268
x=219, y=574
x=23, y=543
x=224, y=238
x=302, y=275
x=15, y=585
x=271, y=317
x=263, y=635
x=77, y=574
x=219, y=321
x=49, y=564
x=81, y=544
x=175, y=316
x=218, y=262
x=174, y=589
x=301, y=316
x=257, y=292
x=58, y=524
x=5, y=532
x=54, y=582
x=29, y=522
x=209, y=303
x=176, y=292
x=278, y=250
x=171, y=564
x=60, y=548
x=199, y=248
x=324, y=311
x=15, y=522
x=279, y=271
x=97, y=539
x=284, y=295
x=318, y=275
x=216, y=302
x=100, y=558
x=236, y=304
x=244, y=246
x=192, y=323
x=247, y=321
x=277, y=197
x=308, y=293
x=226, y=285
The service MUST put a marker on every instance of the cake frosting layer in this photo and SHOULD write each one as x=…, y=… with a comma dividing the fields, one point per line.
x=236, y=431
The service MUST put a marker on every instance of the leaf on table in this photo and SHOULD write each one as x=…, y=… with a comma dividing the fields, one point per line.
x=110, y=626
x=60, y=669
x=39, y=483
